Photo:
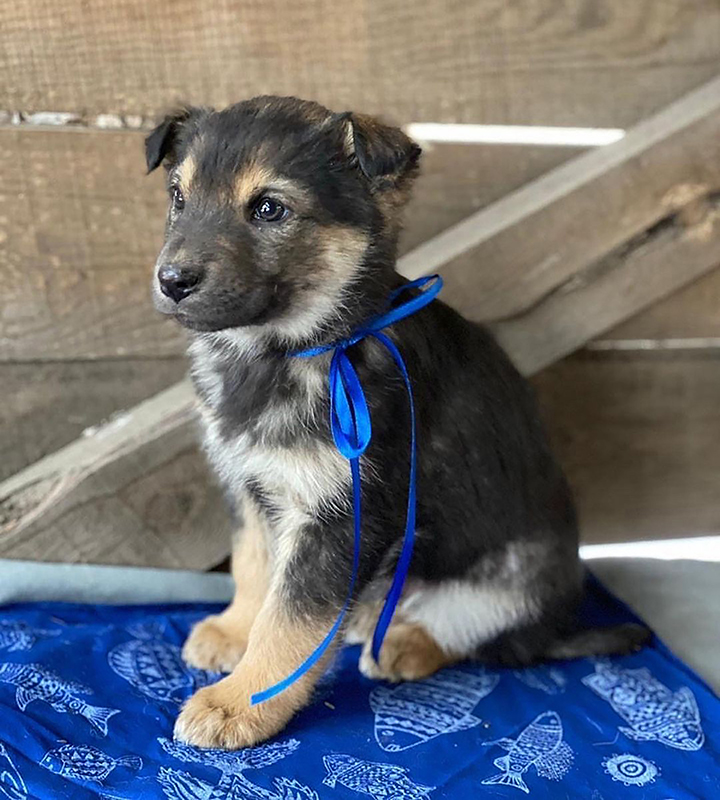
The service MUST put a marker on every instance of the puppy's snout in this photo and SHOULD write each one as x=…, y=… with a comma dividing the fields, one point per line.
x=178, y=282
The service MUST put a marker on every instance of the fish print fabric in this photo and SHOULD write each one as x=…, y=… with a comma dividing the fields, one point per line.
x=89, y=695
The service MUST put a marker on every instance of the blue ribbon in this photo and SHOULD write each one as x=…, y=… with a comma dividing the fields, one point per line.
x=352, y=431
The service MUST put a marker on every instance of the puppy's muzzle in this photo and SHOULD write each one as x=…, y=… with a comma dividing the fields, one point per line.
x=178, y=282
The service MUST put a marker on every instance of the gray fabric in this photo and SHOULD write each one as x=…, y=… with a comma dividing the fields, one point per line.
x=679, y=599
x=23, y=581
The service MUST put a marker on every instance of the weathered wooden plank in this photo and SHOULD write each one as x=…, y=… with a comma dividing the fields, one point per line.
x=75, y=211
x=646, y=269
x=506, y=258
x=597, y=62
x=691, y=315
x=638, y=436
x=135, y=492
x=80, y=226
x=44, y=406
x=457, y=180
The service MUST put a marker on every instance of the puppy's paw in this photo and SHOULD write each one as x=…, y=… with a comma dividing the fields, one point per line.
x=213, y=644
x=221, y=716
x=408, y=654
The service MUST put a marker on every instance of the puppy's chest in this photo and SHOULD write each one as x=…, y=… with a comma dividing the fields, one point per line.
x=265, y=432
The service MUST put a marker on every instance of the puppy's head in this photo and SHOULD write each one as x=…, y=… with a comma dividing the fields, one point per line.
x=282, y=215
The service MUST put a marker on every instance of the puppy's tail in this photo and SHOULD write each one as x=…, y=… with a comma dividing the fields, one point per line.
x=613, y=641
x=535, y=644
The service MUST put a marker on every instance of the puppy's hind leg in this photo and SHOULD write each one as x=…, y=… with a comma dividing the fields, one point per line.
x=409, y=653
x=219, y=641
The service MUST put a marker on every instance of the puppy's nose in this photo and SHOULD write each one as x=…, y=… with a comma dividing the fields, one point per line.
x=178, y=282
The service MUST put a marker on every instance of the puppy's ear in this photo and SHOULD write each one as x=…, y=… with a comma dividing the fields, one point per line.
x=160, y=144
x=381, y=151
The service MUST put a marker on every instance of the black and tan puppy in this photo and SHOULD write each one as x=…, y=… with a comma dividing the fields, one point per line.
x=281, y=235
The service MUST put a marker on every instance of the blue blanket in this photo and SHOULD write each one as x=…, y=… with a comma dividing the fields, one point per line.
x=88, y=696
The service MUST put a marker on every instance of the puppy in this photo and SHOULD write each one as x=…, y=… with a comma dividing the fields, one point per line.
x=281, y=235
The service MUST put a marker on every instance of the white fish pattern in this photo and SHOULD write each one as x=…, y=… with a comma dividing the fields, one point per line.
x=543, y=678
x=155, y=667
x=380, y=781
x=35, y=682
x=178, y=785
x=19, y=636
x=539, y=745
x=630, y=769
x=232, y=762
x=416, y=712
x=232, y=784
x=85, y=763
x=653, y=712
x=12, y=785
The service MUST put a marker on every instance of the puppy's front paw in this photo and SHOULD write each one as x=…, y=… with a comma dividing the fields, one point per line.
x=213, y=644
x=221, y=716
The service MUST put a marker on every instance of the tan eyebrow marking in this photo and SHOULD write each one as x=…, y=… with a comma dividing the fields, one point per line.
x=186, y=172
x=250, y=180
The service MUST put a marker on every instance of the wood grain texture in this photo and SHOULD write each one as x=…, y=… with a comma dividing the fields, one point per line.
x=78, y=247
x=638, y=437
x=81, y=225
x=692, y=315
x=136, y=492
x=646, y=269
x=44, y=406
x=582, y=62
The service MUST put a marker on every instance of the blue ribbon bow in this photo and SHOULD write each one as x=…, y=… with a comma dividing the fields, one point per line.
x=352, y=431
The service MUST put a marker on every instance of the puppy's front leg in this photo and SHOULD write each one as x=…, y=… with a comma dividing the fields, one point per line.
x=219, y=641
x=298, y=612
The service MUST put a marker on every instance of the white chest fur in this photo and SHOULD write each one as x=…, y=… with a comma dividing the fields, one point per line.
x=299, y=478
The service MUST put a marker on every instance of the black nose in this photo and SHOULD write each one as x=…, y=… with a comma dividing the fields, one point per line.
x=178, y=282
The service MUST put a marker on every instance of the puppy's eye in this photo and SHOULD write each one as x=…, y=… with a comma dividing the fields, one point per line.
x=269, y=210
x=177, y=198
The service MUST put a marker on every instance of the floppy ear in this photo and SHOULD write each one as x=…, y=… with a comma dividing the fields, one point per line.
x=160, y=144
x=382, y=151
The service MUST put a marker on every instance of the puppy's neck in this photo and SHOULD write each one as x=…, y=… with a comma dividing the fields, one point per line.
x=274, y=398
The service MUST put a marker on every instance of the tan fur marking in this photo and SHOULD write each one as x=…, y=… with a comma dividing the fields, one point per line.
x=349, y=139
x=186, y=173
x=221, y=715
x=219, y=641
x=249, y=180
x=342, y=249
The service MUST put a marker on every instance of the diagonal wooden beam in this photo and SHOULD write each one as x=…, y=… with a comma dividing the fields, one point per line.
x=676, y=251
x=135, y=491
x=504, y=259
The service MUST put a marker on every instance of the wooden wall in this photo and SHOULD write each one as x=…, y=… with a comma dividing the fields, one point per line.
x=80, y=222
x=543, y=62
